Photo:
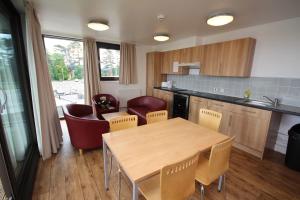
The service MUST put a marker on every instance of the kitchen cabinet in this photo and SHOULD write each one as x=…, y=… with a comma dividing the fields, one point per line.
x=211, y=63
x=154, y=76
x=197, y=54
x=196, y=103
x=236, y=57
x=167, y=96
x=169, y=57
x=186, y=55
x=249, y=126
x=166, y=62
x=230, y=58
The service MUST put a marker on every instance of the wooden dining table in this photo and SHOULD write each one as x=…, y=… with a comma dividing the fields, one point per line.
x=142, y=151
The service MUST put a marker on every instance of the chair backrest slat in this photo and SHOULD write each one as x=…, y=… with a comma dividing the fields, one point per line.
x=210, y=119
x=123, y=122
x=156, y=116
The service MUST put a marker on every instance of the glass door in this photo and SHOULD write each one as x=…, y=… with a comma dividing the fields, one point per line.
x=14, y=118
x=17, y=131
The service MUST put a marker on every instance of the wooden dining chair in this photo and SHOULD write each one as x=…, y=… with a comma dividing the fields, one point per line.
x=210, y=119
x=156, y=116
x=123, y=122
x=116, y=124
x=209, y=170
x=175, y=181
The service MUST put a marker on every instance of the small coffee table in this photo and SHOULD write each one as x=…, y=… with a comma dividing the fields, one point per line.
x=109, y=116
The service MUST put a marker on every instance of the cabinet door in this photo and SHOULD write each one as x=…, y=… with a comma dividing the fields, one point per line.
x=249, y=130
x=236, y=57
x=168, y=97
x=186, y=55
x=150, y=73
x=166, y=62
x=197, y=54
x=211, y=64
x=196, y=104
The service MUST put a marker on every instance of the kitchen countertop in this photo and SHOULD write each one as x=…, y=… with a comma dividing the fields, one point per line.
x=281, y=108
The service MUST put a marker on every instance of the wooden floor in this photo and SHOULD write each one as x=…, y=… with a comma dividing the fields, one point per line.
x=71, y=176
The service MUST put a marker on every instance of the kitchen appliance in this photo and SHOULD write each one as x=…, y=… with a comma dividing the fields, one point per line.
x=181, y=106
x=167, y=84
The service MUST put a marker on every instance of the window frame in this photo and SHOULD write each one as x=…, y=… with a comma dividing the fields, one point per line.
x=105, y=45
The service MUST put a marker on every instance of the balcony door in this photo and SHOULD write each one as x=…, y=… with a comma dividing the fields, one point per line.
x=17, y=132
x=65, y=61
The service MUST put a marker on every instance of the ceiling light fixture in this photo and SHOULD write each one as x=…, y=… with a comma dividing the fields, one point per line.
x=98, y=25
x=161, y=37
x=220, y=19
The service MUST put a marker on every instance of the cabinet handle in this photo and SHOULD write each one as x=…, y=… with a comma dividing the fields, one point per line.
x=230, y=120
x=248, y=111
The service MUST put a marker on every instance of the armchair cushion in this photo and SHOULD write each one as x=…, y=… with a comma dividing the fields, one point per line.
x=85, y=129
x=140, y=106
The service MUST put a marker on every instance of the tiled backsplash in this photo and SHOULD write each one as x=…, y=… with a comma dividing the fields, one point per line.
x=286, y=89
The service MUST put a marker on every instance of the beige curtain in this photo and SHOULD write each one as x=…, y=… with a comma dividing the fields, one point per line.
x=91, y=70
x=48, y=129
x=128, y=64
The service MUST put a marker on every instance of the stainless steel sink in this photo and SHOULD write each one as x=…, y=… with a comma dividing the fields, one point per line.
x=255, y=102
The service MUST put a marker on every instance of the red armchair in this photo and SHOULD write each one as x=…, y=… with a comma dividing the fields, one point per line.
x=140, y=106
x=113, y=106
x=85, y=129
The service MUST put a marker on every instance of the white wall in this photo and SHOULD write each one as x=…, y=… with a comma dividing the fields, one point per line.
x=277, y=49
x=125, y=92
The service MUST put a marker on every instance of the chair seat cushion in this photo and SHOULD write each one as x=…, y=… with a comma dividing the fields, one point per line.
x=141, y=112
x=91, y=116
x=150, y=188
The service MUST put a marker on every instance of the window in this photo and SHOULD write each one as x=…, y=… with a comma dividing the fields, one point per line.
x=65, y=61
x=109, y=60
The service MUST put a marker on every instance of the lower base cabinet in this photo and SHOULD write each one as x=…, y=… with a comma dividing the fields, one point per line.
x=167, y=96
x=249, y=126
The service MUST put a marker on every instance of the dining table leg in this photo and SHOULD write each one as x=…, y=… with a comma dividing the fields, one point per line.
x=106, y=180
x=135, y=191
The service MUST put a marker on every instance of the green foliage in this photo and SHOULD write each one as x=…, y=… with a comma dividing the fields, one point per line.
x=57, y=67
x=66, y=62
x=78, y=72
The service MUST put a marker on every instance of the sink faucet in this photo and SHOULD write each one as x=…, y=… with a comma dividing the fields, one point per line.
x=275, y=102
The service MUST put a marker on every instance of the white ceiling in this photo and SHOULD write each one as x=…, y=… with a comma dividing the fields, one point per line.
x=135, y=20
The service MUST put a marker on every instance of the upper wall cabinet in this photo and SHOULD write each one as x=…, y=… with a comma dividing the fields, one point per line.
x=168, y=60
x=231, y=58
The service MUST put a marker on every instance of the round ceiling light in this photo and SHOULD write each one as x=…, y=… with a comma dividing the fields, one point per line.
x=98, y=26
x=220, y=19
x=161, y=37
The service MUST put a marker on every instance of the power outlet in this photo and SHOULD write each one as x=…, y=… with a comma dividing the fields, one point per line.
x=222, y=90
x=215, y=89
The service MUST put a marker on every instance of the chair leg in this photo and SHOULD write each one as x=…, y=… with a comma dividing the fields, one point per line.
x=80, y=152
x=202, y=192
x=221, y=179
x=119, y=184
